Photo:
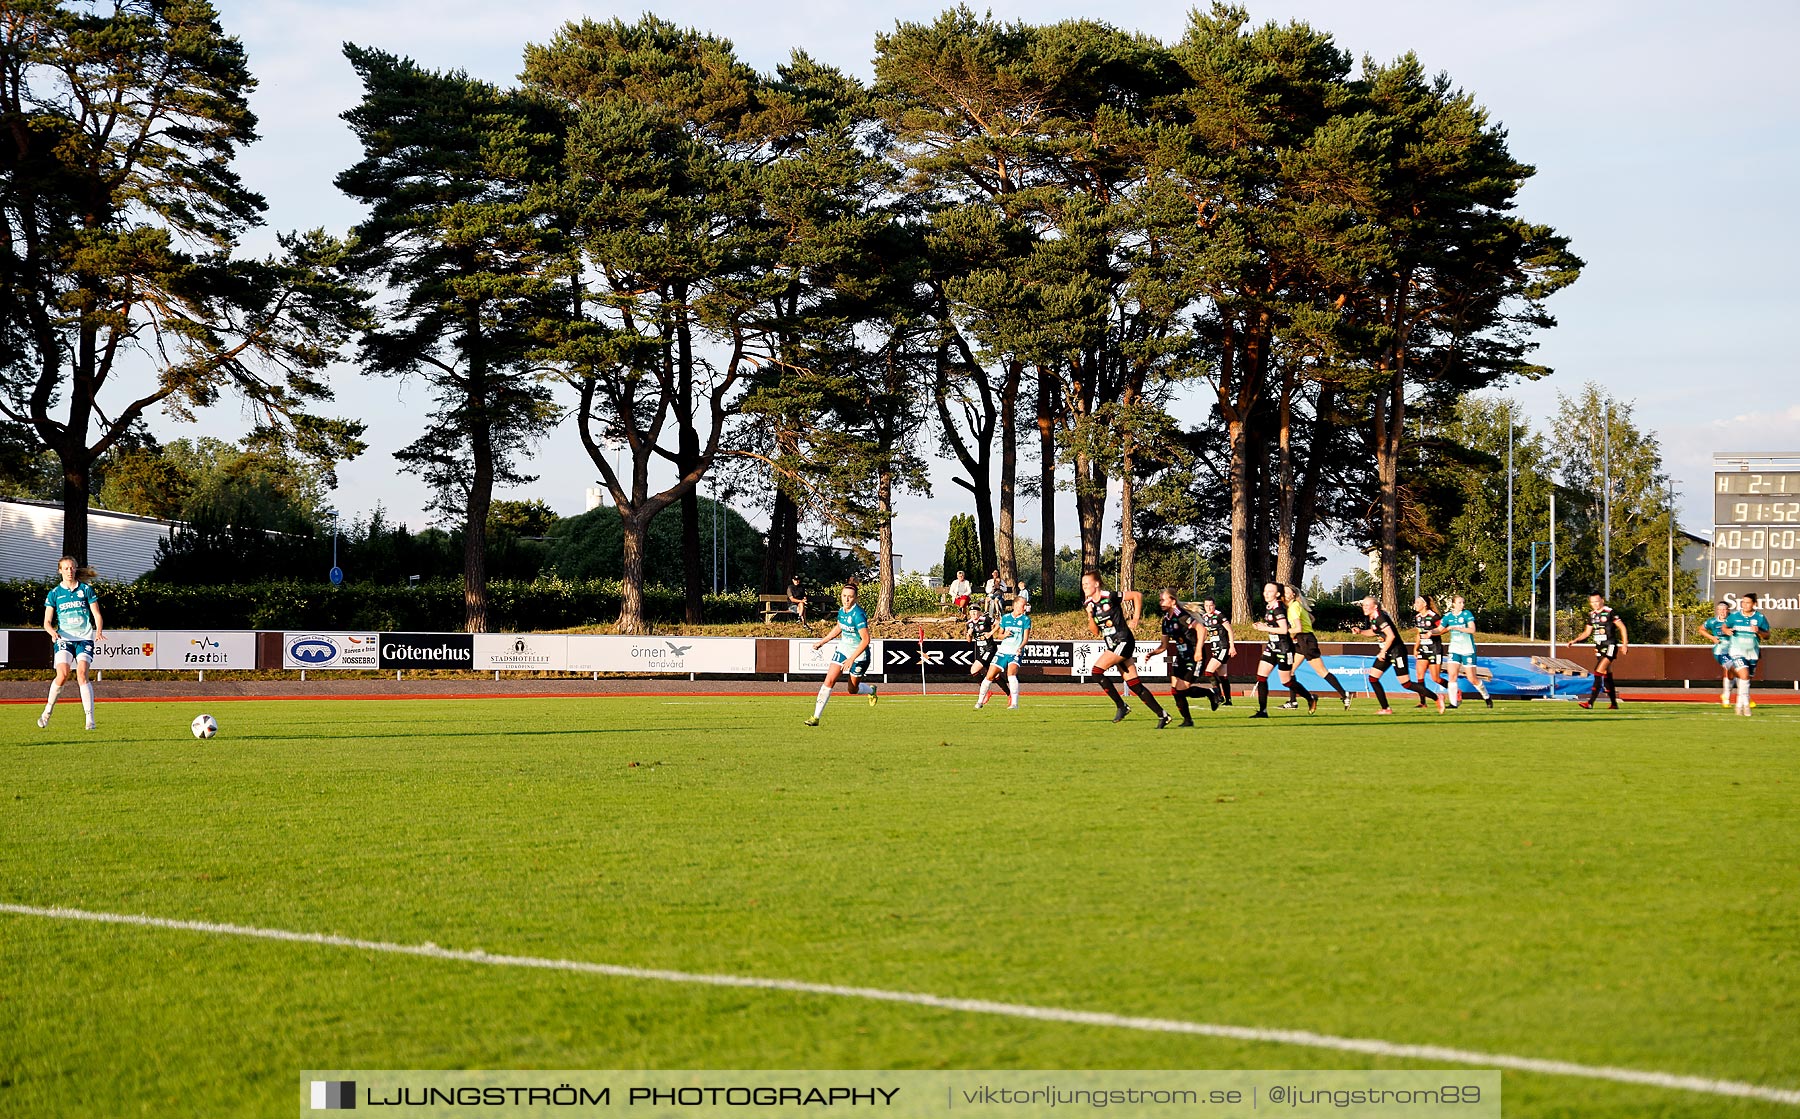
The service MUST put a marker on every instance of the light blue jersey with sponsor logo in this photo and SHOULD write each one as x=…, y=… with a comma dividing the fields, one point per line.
x=1746, y=641
x=1013, y=628
x=854, y=622
x=1715, y=628
x=1460, y=641
x=74, y=611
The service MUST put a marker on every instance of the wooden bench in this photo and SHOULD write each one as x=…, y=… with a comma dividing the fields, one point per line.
x=1557, y=666
x=775, y=605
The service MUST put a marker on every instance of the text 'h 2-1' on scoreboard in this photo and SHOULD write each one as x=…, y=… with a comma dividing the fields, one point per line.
x=1756, y=532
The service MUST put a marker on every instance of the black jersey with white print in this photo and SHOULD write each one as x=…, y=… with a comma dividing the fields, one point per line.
x=1107, y=608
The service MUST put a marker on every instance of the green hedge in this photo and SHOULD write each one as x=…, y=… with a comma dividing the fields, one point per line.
x=537, y=605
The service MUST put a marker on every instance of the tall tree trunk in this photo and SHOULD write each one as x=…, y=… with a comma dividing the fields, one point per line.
x=790, y=544
x=481, y=487
x=1241, y=591
x=975, y=453
x=687, y=458
x=884, y=504
x=76, y=484
x=1306, y=501
x=1390, y=420
x=72, y=449
x=1127, y=497
x=780, y=508
x=984, y=525
x=1090, y=508
x=1259, y=505
x=1046, y=422
x=1004, y=553
x=1286, y=563
x=631, y=583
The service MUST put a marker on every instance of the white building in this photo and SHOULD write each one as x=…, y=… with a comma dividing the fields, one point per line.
x=121, y=547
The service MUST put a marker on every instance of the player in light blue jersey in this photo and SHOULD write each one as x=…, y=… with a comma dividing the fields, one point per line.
x=1721, y=650
x=1747, y=627
x=72, y=619
x=1459, y=624
x=1013, y=628
x=852, y=653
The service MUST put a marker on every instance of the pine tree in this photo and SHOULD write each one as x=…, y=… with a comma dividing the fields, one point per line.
x=455, y=173
x=120, y=217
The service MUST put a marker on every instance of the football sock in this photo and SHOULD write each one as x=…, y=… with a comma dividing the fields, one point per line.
x=1224, y=688
x=824, y=698
x=1743, y=702
x=1455, y=692
x=1181, y=704
x=1481, y=689
x=1262, y=693
x=55, y=690
x=1012, y=687
x=1424, y=690
x=1331, y=678
x=1143, y=693
x=1298, y=691
x=1112, y=692
x=986, y=687
x=1599, y=682
x=87, y=701
x=1380, y=692
x=1612, y=687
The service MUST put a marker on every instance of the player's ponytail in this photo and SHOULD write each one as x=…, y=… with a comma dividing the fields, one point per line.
x=83, y=573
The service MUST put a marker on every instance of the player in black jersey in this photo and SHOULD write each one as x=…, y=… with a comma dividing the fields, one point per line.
x=1611, y=641
x=1390, y=652
x=1428, y=648
x=1181, y=641
x=1278, y=654
x=1218, y=650
x=1106, y=614
x=981, y=636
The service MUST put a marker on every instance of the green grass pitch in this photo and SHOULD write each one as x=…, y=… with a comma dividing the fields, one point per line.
x=1606, y=888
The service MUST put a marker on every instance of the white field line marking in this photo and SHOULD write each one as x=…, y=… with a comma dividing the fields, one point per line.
x=1305, y=1038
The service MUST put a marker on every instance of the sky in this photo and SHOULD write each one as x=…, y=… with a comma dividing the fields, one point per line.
x=1664, y=136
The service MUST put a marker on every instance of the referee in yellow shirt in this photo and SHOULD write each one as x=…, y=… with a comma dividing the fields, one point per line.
x=1306, y=643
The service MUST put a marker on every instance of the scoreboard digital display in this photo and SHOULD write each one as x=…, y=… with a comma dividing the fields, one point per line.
x=1756, y=538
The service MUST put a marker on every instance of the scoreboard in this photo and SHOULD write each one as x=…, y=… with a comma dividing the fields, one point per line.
x=1756, y=533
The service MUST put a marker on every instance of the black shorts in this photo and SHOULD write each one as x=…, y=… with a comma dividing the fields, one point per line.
x=1183, y=670
x=984, y=653
x=1395, y=661
x=1218, y=653
x=1124, y=647
x=1306, y=647
x=1282, y=658
x=1428, y=658
x=1606, y=652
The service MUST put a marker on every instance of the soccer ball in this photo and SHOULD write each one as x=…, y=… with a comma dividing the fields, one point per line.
x=205, y=726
